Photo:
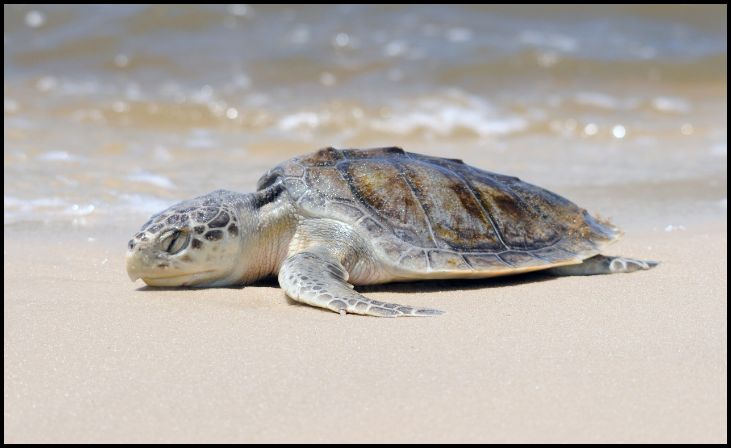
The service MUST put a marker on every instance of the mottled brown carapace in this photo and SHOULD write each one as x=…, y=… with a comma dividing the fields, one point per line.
x=450, y=211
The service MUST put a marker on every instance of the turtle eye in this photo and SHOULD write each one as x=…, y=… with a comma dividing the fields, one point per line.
x=175, y=241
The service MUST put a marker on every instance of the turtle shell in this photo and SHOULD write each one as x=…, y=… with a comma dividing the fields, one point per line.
x=430, y=215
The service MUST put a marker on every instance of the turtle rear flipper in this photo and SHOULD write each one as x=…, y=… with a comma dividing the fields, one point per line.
x=602, y=264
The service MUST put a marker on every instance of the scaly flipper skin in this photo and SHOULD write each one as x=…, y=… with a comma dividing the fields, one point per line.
x=315, y=278
x=602, y=264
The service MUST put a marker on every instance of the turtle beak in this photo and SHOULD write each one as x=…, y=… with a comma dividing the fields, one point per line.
x=134, y=265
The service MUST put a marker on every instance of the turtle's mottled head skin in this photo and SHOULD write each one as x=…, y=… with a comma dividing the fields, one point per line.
x=198, y=242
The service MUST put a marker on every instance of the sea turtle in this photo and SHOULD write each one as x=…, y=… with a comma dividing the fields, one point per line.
x=326, y=221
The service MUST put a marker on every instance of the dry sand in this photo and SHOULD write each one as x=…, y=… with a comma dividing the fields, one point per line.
x=91, y=357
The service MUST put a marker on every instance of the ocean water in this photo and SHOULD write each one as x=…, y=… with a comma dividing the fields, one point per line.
x=115, y=112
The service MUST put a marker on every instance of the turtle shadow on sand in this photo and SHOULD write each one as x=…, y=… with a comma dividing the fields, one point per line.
x=431, y=286
x=409, y=287
x=413, y=287
x=427, y=286
x=423, y=286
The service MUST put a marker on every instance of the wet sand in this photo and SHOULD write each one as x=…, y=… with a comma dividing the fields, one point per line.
x=91, y=357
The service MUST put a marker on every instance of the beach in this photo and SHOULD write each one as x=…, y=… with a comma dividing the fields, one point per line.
x=92, y=357
x=113, y=113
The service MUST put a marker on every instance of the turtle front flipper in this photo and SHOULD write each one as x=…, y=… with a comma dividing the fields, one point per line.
x=603, y=264
x=315, y=278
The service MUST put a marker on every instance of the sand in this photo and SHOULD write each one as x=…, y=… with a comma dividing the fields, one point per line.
x=92, y=357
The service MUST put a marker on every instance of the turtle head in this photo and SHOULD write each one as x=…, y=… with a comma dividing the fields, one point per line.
x=193, y=243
